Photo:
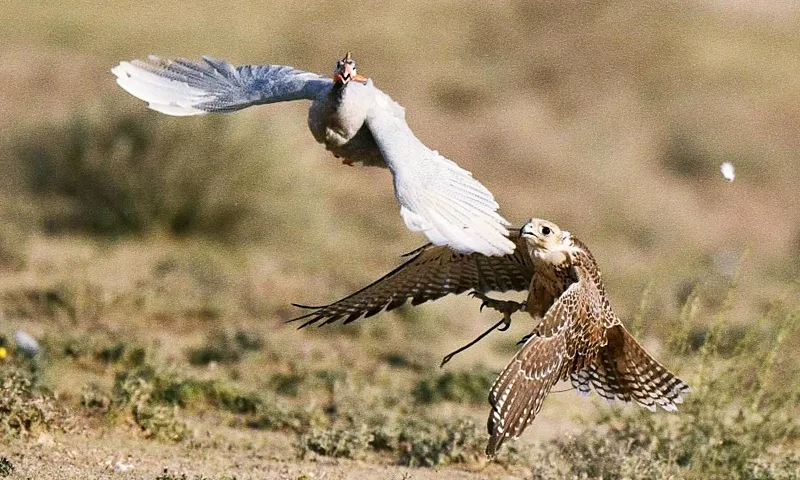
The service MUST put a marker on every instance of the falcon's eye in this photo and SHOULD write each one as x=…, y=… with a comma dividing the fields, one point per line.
x=546, y=231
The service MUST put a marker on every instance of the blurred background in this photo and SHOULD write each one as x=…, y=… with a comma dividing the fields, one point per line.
x=178, y=244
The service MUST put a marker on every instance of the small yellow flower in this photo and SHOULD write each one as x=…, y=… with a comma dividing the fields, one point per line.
x=3, y=353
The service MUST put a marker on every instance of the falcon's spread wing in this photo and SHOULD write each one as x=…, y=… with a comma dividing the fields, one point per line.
x=183, y=87
x=571, y=329
x=433, y=272
x=623, y=370
x=436, y=196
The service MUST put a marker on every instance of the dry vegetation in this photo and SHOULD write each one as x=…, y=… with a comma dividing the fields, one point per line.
x=155, y=258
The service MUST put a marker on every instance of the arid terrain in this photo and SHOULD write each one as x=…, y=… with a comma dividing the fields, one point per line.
x=155, y=259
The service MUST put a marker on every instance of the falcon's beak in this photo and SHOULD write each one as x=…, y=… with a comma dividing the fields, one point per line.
x=528, y=230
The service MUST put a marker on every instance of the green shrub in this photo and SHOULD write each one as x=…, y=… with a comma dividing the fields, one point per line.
x=6, y=467
x=115, y=175
x=428, y=444
x=23, y=410
x=345, y=441
x=415, y=440
x=218, y=348
x=460, y=387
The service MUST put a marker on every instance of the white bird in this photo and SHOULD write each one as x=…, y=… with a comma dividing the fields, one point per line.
x=354, y=120
x=728, y=171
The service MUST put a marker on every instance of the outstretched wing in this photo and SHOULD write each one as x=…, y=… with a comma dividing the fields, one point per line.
x=433, y=272
x=571, y=329
x=183, y=87
x=624, y=370
x=436, y=196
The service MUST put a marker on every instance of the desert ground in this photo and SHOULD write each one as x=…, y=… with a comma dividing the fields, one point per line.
x=155, y=259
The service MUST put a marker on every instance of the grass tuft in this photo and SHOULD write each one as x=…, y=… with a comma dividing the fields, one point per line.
x=113, y=175
x=459, y=387
x=23, y=410
x=6, y=467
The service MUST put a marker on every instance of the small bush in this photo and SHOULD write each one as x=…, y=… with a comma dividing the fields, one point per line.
x=280, y=416
x=141, y=395
x=416, y=440
x=160, y=422
x=23, y=410
x=288, y=384
x=345, y=441
x=428, y=444
x=460, y=387
x=6, y=467
x=94, y=400
x=115, y=175
x=218, y=348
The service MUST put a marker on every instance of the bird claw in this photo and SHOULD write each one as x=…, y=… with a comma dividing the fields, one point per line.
x=506, y=324
x=484, y=303
x=506, y=307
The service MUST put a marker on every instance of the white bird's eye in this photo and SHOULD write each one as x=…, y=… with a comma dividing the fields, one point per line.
x=545, y=230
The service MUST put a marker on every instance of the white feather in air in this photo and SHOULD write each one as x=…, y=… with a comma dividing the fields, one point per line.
x=728, y=171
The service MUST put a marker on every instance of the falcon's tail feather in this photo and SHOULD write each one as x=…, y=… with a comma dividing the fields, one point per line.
x=625, y=371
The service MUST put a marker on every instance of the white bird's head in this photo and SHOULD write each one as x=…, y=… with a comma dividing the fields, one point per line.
x=345, y=70
x=546, y=240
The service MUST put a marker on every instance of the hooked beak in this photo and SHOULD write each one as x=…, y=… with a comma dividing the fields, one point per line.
x=528, y=230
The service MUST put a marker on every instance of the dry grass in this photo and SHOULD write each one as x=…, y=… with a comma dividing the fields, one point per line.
x=154, y=258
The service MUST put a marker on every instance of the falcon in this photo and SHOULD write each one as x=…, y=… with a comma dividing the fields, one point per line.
x=354, y=120
x=578, y=336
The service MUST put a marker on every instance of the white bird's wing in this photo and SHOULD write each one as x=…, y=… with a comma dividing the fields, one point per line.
x=183, y=87
x=436, y=196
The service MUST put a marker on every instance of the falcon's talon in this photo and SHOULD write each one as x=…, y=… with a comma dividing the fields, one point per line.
x=506, y=324
x=506, y=307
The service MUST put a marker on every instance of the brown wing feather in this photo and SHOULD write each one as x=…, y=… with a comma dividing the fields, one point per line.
x=432, y=273
x=517, y=394
x=624, y=370
x=570, y=334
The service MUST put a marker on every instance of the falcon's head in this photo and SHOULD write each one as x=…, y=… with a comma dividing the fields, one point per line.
x=546, y=240
x=345, y=70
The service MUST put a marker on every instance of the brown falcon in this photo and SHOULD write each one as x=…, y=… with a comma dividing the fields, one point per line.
x=578, y=338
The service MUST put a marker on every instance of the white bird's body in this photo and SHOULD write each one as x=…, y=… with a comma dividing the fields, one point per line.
x=354, y=120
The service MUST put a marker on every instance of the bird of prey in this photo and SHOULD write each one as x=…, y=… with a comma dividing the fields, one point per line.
x=578, y=337
x=354, y=120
